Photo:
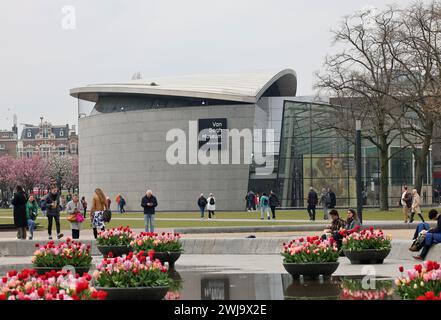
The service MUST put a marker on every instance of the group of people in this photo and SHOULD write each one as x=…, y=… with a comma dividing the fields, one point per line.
x=263, y=203
x=410, y=202
x=327, y=200
x=208, y=204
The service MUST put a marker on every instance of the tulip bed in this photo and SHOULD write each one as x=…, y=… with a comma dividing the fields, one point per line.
x=423, y=282
x=310, y=250
x=59, y=255
x=367, y=239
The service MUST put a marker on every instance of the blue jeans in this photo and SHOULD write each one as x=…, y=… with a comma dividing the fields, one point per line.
x=420, y=227
x=202, y=209
x=31, y=226
x=149, y=220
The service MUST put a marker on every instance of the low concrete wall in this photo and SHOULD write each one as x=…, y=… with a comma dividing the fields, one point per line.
x=281, y=228
x=260, y=246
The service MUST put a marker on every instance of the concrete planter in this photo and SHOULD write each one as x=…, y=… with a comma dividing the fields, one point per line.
x=169, y=257
x=43, y=270
x=368, y=256
x=311, y=270
x=117, y=251
x=138, y=293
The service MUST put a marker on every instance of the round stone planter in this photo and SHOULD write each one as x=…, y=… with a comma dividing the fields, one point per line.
x=311, y=270
x=139, y=293
x=117, y=251
x=43, y=270
x=369, y=256
x=169, y=257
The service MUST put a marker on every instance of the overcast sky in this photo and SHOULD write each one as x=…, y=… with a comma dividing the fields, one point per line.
x=40, y=60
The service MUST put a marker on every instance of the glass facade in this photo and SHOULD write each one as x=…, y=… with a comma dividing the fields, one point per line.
x=313, y=153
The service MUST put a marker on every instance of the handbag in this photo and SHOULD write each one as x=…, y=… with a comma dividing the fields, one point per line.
x=72, y=217
x=418, y=243
x=107, y=215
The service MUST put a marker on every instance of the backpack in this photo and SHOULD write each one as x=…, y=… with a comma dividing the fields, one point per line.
x=212, y=201
x=107, y=216
x=265, y=202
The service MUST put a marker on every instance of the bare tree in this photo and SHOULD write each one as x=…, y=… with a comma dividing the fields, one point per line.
x=362, y=76
x=417, y=50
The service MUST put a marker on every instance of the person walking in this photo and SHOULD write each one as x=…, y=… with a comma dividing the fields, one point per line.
x=273, y=202
x=63, y=203
x=324, y=203
x=406, y=203
x=433, y=236
x=122, y=203
x=19, y=203
x=416, y=205
x=43, y=206
x=264, y=206
x=312, y=203
x=31, y=215
x=74, y=208
x=99, y=205
x=53, y=211
x=249, y=198
x=257, y=202
x=211, y=206
x=333, y=199
x=118, y=199
x=84, y=205
x=149, y=203
x=202, y=204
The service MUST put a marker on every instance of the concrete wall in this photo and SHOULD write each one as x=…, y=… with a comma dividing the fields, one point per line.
x=126, y=153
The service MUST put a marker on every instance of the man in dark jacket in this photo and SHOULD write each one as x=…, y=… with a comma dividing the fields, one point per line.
x=312, y=203
x=202, y=204
x=149, y=203
x=333, y=199
x=249, y=198
x=433, y=236
x=273, y=202
x=53, y=211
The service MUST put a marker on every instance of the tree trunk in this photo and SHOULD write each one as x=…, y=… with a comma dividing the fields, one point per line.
x=421, y=159
x=384, y=181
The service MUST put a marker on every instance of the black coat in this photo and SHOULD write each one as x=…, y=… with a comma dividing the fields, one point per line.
x=149, y=209
x=19, y=203
x=312, y=198
x=333, y=200
x=202, y=202
x=273, y=200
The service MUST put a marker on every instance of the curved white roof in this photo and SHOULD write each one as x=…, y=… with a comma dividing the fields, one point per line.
x=231, y=87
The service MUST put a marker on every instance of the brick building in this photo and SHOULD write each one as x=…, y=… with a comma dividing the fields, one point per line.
x=8, y=143
x=47, y=139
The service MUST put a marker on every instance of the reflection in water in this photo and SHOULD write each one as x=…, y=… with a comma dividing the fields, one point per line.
x=215, y=286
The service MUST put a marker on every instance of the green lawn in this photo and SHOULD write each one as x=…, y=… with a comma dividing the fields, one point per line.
x=368, y=214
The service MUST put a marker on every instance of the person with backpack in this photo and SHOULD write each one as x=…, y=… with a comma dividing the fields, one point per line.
x=202, y=204
x=31, y=215
x=312, y=203
x=273, y=202
x=149, y=203
x=211, y=206
x=264, y=206
x=99, y=206
x=53, y=209
x=406, y=203
x=19, y=203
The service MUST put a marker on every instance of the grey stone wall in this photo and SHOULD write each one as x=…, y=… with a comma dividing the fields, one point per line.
x=126, y=153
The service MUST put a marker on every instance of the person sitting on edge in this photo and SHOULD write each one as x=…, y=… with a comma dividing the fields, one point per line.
x=433, y=236
x=335, y=225
x=352, y=225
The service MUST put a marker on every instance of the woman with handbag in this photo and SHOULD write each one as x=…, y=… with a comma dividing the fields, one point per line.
x=75, y=217
x=416, y=205
x=31, y=214
x=99, y=205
